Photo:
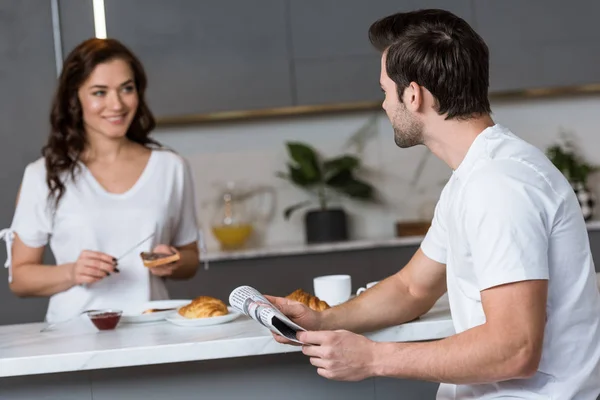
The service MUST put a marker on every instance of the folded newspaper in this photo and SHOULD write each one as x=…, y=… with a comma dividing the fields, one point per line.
x=251, y=302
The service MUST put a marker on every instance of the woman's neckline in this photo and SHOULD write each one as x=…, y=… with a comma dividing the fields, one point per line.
x=129, y=192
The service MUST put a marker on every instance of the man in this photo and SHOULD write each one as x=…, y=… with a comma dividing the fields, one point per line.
x=508, y=243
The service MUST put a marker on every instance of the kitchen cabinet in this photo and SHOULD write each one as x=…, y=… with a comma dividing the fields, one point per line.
x=237, y=56
x=202, y=57
x=540, y=43
x=207, y=56
x=333, y=59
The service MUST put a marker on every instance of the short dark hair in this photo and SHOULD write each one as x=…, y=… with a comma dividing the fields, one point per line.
x=440, y=51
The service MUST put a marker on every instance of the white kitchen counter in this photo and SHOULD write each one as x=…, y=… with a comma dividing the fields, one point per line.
x=350, y=245
x=78, y=346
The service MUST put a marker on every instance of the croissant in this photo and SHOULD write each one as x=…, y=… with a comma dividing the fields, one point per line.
x=204, y=307
x=313, y=302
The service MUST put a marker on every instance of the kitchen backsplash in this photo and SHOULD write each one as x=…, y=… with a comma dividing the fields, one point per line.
x=252, y=152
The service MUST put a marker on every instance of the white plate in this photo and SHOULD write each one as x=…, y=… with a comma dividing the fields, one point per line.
x=177, y=319
x=133, y=315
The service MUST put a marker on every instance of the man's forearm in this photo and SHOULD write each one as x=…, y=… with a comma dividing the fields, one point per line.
x=385, y=304
x=474, y=356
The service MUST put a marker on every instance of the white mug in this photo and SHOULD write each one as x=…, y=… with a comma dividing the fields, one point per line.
x=333, y=289
x=369, y=285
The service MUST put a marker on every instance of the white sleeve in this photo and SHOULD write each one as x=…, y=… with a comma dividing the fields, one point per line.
x=507, y=227
x=435, y=241
x=186, y=230
x=32, y=220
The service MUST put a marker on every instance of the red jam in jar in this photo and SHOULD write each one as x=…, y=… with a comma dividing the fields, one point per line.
x=105, y=320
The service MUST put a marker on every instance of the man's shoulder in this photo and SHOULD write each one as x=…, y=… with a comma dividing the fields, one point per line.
x=505, y=185
x=513, y=164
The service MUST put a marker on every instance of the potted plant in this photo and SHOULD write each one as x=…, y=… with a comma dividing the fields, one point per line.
x=324, y=177
x=565, y=157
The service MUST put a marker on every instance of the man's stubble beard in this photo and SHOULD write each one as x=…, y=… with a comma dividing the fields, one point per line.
x=408, y=131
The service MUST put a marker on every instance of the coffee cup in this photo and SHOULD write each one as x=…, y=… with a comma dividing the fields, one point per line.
x=368, y=285
x=333, y=289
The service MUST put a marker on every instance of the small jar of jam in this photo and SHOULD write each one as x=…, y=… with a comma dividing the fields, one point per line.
x=105, y=320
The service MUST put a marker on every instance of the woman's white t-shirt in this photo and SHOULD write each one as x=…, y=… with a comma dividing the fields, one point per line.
x=90, y=218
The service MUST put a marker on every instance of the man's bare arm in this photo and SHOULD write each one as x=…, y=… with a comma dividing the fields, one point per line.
x=508, y=345
x=402, y=297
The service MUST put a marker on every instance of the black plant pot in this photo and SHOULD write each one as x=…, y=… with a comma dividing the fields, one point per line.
x=323, y=226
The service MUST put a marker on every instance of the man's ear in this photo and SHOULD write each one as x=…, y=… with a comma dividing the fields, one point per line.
x=413, y=97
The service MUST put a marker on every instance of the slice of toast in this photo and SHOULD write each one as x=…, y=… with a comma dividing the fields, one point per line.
x=152, y=260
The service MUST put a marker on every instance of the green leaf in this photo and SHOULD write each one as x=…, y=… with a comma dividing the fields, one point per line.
x=297, y=176
x=345, y=183
x=346, y=162
x=359, y=190
x=307, y=162
x=340, y=178
x=289, y=210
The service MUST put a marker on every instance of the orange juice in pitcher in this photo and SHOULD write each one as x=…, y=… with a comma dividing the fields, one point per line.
x=232, y=237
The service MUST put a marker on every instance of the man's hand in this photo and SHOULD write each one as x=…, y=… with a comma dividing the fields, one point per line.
x=340, y=355
x=298, y=313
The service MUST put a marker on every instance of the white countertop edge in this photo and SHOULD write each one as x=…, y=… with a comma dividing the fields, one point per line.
x=300, y=249
x=437, y=324
x=139, y=356
x=198, y=351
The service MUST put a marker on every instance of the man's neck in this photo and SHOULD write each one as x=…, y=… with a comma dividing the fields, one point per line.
x=450, y=140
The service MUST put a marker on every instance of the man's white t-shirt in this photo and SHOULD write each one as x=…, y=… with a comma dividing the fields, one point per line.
x=508, y=215
x=90, y=218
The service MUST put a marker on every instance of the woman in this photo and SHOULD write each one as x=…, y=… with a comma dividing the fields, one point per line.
x=101, y=187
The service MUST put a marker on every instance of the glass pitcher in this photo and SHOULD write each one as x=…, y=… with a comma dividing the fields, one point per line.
x=231, y=222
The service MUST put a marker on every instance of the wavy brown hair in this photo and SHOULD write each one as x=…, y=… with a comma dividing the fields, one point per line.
x=68, y=139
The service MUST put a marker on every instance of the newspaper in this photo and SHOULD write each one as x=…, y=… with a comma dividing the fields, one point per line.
x=251, y=302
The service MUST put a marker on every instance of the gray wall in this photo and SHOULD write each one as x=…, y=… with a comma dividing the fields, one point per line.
x=27, y=81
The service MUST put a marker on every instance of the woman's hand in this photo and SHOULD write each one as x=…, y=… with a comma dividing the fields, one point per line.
x=165, y=269
x=91, y=266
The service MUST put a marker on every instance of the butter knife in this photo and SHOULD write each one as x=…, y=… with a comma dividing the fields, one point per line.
x=136, y=246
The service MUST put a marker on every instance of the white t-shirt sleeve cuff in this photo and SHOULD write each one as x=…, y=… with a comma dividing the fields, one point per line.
x=30, y=240
x=183, y=240
x=507, y=277
x=432, y=251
